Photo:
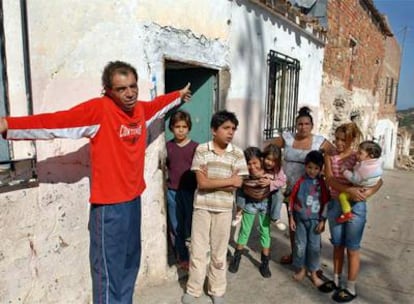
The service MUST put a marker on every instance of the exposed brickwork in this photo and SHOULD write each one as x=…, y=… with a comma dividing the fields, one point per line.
x=359, y=57
x=359, y=66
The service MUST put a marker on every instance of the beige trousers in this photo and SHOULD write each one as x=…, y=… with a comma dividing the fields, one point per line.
x=210, y=233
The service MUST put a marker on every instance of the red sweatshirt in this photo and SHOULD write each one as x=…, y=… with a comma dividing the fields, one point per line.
x=118, y=140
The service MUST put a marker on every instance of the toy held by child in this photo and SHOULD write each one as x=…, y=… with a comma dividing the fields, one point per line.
x=254, y=199
x=307, y=212
x=366, y=173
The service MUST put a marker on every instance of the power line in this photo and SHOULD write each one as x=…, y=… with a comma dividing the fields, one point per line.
x=405, y=30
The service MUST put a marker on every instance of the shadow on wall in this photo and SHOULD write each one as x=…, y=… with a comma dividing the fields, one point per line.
x=69, y=168
x=72, y=167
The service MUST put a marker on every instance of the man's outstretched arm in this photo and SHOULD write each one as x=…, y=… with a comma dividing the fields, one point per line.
x=80, y=121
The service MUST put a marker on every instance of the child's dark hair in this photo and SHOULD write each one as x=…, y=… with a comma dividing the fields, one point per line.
x=252, y=152
x=180, y=115
x=304, y=112
x=221, y=117
x=372, y=148
x=276, y=153
x=314, y=157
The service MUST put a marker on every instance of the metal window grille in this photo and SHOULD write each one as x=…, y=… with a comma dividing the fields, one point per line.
x=282, y=93
x=391, y=88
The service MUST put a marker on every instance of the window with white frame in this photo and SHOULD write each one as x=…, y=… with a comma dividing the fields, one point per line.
x=282, y=93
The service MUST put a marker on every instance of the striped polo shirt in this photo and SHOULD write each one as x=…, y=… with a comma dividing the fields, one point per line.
x=218, y=167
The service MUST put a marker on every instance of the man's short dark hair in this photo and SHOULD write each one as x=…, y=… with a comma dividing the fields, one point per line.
x=221, y=117
x=314, y=157
x=116, y=67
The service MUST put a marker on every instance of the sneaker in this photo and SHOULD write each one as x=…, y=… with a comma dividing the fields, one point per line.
x=237, y=220
x=280, y=225
x=188, y=299
x=217, y=300
x=188, y=242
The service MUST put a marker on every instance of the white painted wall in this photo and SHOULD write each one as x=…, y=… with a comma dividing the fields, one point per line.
x=44, y=252
x=386, y=136
x=253, y=33
x=44, y=248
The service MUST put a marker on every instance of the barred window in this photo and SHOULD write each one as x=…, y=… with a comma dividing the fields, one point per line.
x=391, y=88
x=282, y=94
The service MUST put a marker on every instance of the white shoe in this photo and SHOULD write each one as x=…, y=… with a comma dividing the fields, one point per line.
x=280, y=225
x=237, y=220
x=188, y=242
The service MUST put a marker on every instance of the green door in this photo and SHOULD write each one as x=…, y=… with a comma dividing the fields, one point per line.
x=202, y=103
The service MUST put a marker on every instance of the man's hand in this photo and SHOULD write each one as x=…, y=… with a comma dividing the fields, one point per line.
x=3, y=125
x=185, y=93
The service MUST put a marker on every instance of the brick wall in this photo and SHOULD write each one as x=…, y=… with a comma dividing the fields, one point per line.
x=349, y=23
x=353, y=65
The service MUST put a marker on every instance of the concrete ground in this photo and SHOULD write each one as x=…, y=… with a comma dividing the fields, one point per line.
x=387, y=260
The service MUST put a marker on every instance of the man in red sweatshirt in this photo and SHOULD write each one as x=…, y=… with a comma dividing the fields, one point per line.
x=116, y=127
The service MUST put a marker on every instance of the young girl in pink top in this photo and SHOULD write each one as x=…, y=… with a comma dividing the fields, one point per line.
x=346, y=235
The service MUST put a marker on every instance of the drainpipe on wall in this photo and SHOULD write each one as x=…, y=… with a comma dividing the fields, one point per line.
x=26, y=55
x=27, y=74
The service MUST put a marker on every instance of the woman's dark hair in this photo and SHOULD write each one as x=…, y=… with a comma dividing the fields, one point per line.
x=252, y=152
x=314, y=157
x=305, y=112
x=275, y=152
x=180, y=115
x=372, y=148
x=221, y=117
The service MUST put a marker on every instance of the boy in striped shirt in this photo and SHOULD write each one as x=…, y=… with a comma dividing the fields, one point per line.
x=219, y=167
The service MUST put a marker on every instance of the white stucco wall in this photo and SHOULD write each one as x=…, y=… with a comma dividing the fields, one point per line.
x=44, y=255
x=253, y=33
x=386, y=136
x=44, y=252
